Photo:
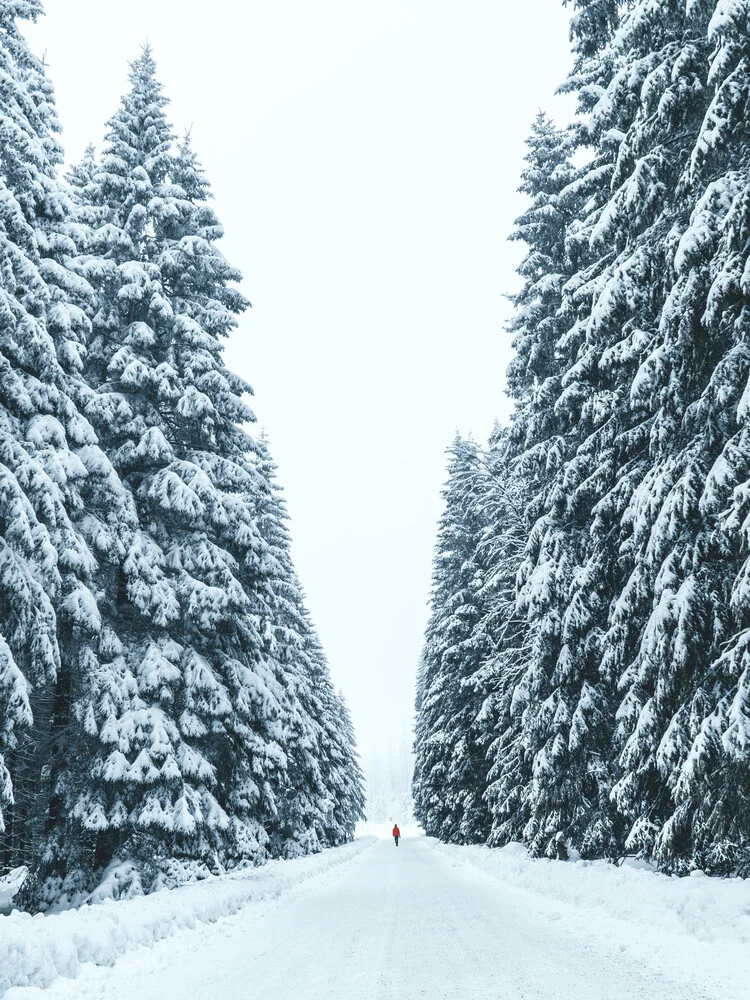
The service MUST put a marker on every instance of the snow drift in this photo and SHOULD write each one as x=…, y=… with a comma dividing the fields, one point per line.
x=34, y=951
x=710, y=910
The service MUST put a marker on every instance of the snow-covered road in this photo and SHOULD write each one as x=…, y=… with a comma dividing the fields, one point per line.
x=417, y=921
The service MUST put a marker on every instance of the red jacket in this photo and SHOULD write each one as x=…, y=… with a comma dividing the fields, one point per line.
x=396, y=832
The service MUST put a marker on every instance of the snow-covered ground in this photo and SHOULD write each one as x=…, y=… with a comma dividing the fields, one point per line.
x=707, y=910
x=422, y=920
x=35, y=951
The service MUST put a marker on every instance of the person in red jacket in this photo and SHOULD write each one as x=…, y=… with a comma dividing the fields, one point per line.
x=396, y=833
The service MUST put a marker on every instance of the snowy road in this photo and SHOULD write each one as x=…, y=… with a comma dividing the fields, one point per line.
x=407, y=922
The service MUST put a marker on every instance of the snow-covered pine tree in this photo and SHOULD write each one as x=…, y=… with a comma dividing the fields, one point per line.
x=521, y=463
x=641, y=537
x=534, y=373
x=327, y=722
x=503, y=633
x=524, y=461
x=630, y=726
x=611, y=307
x=712, y=789
x=648, y=100
x=349, y=785
x=321, y=798
x=564, y=408
x=339, y=759
x=450, y=771
x=297, y=827
x=683, y=720
x=582, y=447
x=51, y=467
x=189, y=710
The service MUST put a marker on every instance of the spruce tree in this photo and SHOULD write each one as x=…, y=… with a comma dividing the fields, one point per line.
x=630, y=533
x=564, y=408
x=321, y=797
x=337, y=753
x=188, y=714
x=523, y=462
x=712, y=790
x=162, y=691
x=69, y=504
x=215, y=731
x=622, y=720
x=505, y=635
x=349, y=787
x=450, y=771
x=683, y=730
x=61, y=495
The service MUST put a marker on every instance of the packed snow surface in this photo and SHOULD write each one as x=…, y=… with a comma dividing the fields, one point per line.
x=422, y=920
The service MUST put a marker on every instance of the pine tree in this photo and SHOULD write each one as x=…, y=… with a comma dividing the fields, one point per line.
x=450, y=772
x=297, y=825
x=156, y=657
x=321, y=798
x=621, y=717
x=683, y=745
x=534, y=372
x=214, y=727
x=504, y=633
x=349, y=785
x=565, y=413
x=712, y=790
x=186, y=716
x=50, y=463
x=631, y=538
x=522, y=463
x=612, y=304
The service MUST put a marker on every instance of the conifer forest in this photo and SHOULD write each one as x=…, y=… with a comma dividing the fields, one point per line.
x=585, y=681
x=167, y=711
x=497, y=747
x=164, y=697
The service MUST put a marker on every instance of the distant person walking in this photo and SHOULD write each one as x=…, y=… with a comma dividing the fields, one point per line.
x=396, y=834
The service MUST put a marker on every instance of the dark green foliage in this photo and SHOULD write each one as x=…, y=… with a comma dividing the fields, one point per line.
x=163, y=694
x=626, y=723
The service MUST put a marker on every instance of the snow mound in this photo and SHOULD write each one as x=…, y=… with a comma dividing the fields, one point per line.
x=9, y=886
x=34, y=951
x=709, y=910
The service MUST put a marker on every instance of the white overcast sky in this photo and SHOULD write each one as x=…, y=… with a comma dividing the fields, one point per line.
x=365, y=158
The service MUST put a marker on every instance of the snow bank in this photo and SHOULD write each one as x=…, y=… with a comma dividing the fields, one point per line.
x=9, y=886
x=709, y=910
x=36, y=950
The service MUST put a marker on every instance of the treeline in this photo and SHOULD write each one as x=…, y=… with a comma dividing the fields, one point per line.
x=163, y=693
x=587, y=662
